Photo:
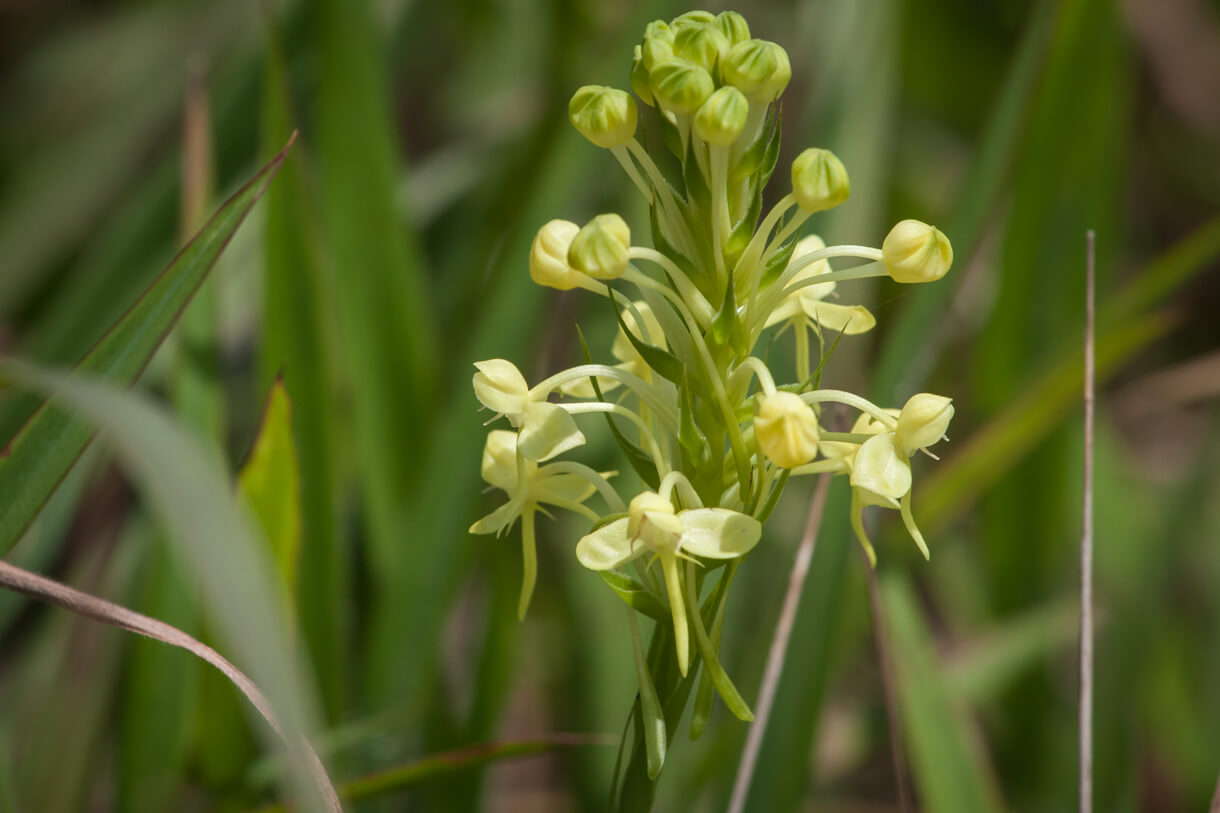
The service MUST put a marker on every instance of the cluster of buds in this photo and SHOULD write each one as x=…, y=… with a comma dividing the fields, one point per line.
x=698, y=416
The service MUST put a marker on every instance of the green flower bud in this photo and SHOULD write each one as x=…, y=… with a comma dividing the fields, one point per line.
x=703, y=45
x=786, y=429
x=916, y=252
x=605, y=116
x=748, y=65
x=722, y=117
x=680, y=86
x=696, y=18
x=923, y=421
x=600, y=248
x=733, y=26
x=658, y=43
x=549, y=256
x=819, y=181
x=779, y=78
x=639, y=77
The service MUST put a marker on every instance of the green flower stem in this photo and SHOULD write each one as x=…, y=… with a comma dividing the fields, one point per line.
x=787, y=231
x=677, y=606
x=769, y=300
x=646, y=435
x=687, y=493
x=827, y=466
x=647, y=392
x=595, y=478
x=529, y=561
x=718, y=159
x=764, y=375
x=690, y=293
x=800, y=332
x=641, y=280
x=851, y=400
x=749, y=266
x=846, y=437
x=711, y=662
x=624, y=158
x=668, y=205
x=655, y=734
x=573, y=506
x=773, y=498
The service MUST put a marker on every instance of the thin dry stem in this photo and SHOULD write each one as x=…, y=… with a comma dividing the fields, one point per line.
x=52, y=592
x=1086, y=542
x=779, y=647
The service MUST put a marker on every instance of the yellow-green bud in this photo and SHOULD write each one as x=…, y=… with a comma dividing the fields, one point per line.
x=779, y=78
x=733, y=26
x=651, y=519
x=722, y=117
x=703, y=45
x=639, y=77
x=500, y=387
x=786, y=429
x=923, y=421
x=600, y=248
x=606, y=116
x=748, y=65
x=913, y=251
x=549, y=256
x=819, y=181
x=680, y=86
x=658, y=43
x=696, y=17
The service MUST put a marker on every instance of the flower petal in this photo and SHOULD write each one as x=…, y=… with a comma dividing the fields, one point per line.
x=547, y=430
x=608, y=547
x=881, y=471
x=851, y=319
x=500, y=387
x=718, y=533
x=500, y=459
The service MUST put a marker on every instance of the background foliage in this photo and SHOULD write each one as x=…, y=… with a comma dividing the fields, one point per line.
x=390, y=252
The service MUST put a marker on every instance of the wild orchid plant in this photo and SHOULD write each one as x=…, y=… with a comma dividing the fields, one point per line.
x=698, y=416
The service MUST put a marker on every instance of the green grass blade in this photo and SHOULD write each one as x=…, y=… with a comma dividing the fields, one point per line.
x=293, y=349
x=212, y=538
x=947, y=762
x=37, y=458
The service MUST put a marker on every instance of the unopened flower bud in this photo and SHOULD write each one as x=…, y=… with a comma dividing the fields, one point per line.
x=702, y=45
x=691, y=18
x=600, y=248
x=733, y=26
x=549, y=256
x=748, y=65
x=680, y=86
x=786, y=429
x=651, y=520
x=779, y=78
x=658, y=43
x=722, y=117
x=819, y=180
x=606, y=116
x=639, y=77
x=923, y=421
x=916, y=252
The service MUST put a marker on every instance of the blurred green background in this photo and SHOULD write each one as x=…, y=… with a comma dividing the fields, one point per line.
x=390, y=253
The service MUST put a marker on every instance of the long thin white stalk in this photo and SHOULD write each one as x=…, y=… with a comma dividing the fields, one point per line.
x=1086, y=542
x=779, y=648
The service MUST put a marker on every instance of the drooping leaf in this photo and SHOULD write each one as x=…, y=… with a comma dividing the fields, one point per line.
x=37, y=458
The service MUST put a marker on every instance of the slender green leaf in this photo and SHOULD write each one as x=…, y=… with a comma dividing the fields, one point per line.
x=211, y=537
x=37, y=458
x=947, y=760
x=635, y=595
